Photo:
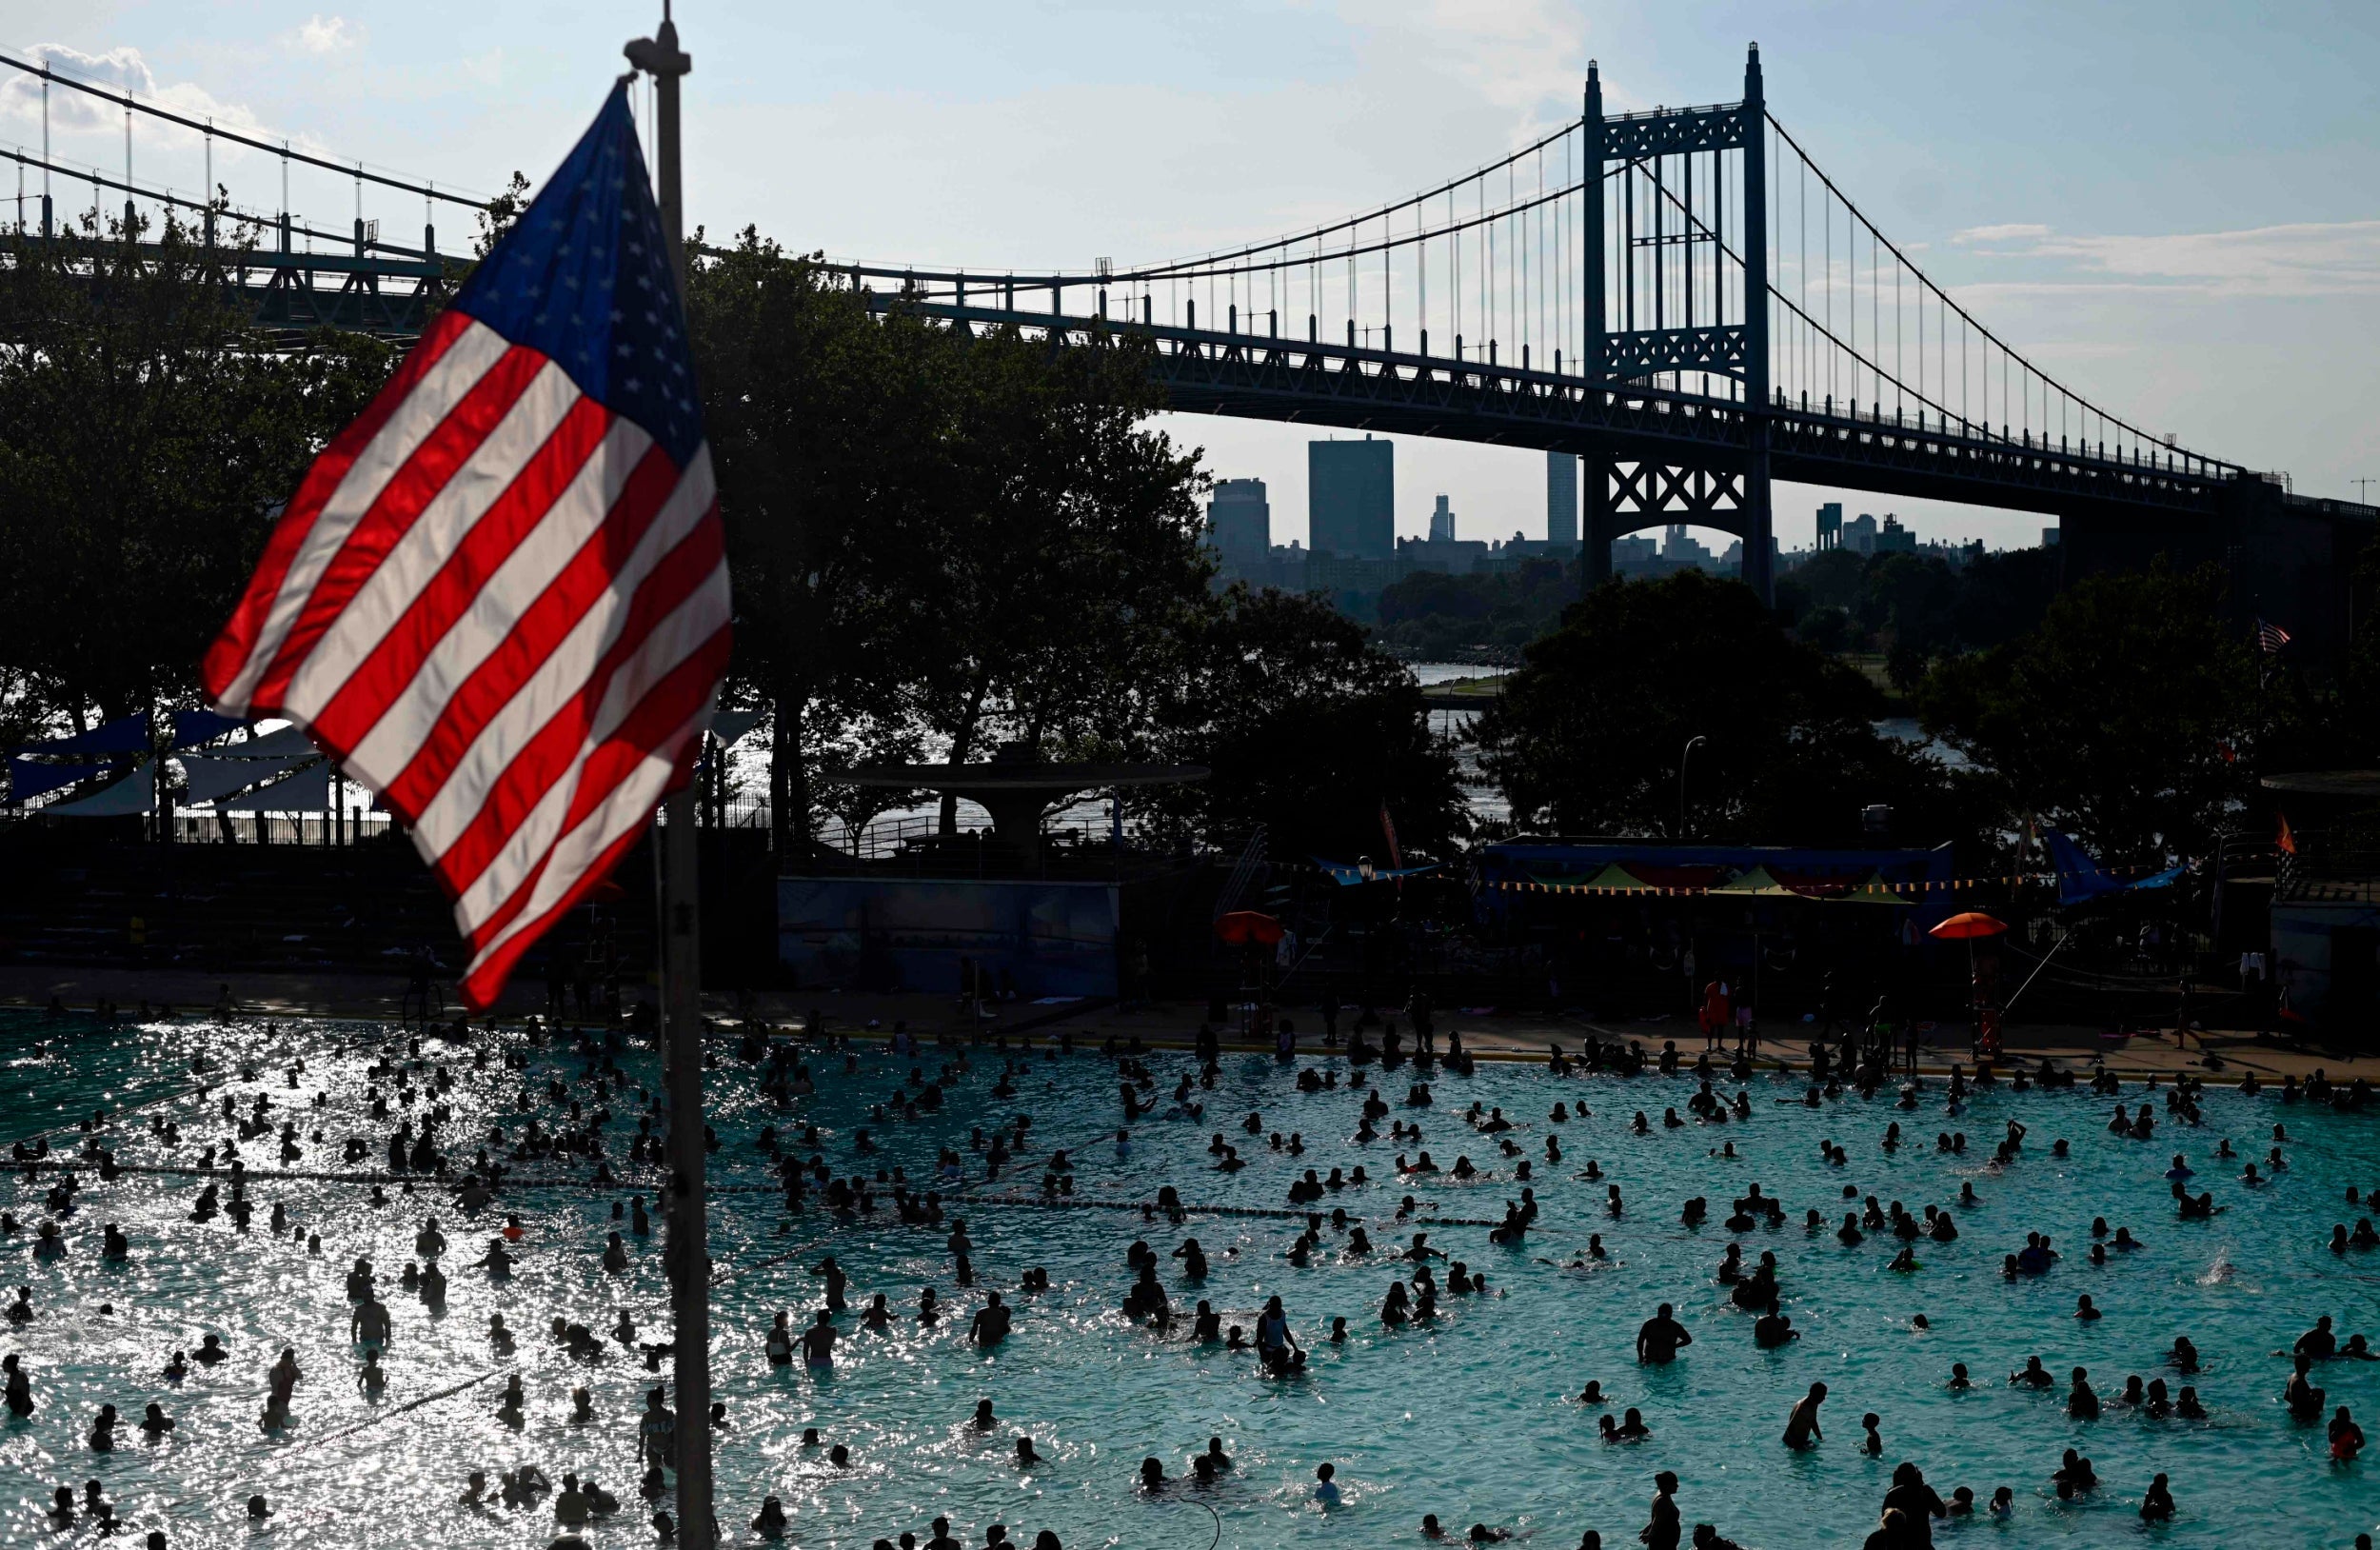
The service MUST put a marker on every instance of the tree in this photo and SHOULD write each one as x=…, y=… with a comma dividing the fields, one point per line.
x=1917, y=608
x=825, y=429
x=2132, y=716
x=1072, y=561
x=937, y=538
x=148, y=436
x=1310, y=729
x=1589, y=731
x=1433, y=615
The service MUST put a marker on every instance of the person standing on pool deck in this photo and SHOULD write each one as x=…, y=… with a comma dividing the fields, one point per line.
x=1661, y=1339
x=1801, y=1427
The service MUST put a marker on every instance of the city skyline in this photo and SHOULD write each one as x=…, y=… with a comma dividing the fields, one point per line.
x=1449, y=516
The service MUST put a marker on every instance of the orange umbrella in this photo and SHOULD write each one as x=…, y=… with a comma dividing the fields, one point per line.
x=1966, y=926
x=1248, y=925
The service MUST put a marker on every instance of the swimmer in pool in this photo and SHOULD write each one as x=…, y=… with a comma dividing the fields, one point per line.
x=1801, y=1427
x=1661, y=1336
x=818, y=1342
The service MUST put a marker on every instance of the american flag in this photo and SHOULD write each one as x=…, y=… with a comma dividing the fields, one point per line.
x=500, y=597
x=2270, y=638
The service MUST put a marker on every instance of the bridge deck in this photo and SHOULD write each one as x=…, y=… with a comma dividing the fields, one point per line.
x=1318, y=382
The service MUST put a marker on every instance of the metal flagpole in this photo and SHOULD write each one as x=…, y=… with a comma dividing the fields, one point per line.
x=681, y=1008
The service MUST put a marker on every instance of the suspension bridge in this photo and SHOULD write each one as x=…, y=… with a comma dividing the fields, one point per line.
x=1683, y=298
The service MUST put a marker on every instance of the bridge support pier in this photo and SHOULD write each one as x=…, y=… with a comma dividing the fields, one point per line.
x=1759, y=526
x=1596, y=527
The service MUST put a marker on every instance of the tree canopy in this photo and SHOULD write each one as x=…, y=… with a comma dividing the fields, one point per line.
x=2132, y=717
x=149, y=437
x=1589, y=734
x=937, y=538
x=1431, y=614
x=1310, y=729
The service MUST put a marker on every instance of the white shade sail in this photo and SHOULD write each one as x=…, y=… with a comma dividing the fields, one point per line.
x=136, y=793
x=210, y=778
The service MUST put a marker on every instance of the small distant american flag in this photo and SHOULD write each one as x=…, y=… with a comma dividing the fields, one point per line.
x=499, y=598
x=2270, y=638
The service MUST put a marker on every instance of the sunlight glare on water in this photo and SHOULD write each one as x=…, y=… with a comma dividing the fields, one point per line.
x=1472, y=1420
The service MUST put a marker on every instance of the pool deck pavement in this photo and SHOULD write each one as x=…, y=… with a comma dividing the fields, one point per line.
x=1487, y=1033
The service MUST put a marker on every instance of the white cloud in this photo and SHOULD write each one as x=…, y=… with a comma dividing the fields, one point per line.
x=2332, y=258
x=321, y=34
x=1999, y=234
x=118, y=70
x=2336, y=258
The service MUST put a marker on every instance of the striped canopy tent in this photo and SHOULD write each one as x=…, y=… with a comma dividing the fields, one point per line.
x=1876, y=889
x=1613, y=878
x=1759, y=883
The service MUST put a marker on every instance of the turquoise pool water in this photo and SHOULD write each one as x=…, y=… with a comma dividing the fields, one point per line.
x=1471, y=1420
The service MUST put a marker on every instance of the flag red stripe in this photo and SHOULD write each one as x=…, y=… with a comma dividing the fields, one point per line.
x=506, y=800
x=232, y=649
x=541, y=822
x=399, y=505
x=480, y=629
x=667, y=707
x=542, y=626
x=489, y=970
x=384, y=675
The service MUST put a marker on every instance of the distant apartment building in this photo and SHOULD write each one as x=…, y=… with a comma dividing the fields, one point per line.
x=1351, y=499
x=1562, y=499
x=1239, y=524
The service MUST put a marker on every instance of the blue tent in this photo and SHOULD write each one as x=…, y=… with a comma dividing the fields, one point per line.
x=2081, y=879
x=129, y=735
x=29, y=778
x=1349, y=877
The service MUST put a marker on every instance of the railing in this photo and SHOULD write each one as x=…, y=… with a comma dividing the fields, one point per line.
x=194, y=827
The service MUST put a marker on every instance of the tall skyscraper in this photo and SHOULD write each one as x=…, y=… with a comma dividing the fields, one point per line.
x=1442, y=521
x=1239, y=522
x=1561, y=498
x=1351, y=499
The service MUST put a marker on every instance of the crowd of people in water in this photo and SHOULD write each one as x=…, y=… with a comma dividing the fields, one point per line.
x=553, y=1127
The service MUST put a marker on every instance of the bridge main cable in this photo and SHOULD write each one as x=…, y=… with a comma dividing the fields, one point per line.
x=352, y=169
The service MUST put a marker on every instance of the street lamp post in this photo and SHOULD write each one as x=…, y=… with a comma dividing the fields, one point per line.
x=1692, y=744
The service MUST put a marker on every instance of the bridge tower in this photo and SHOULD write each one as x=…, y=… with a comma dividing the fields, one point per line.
x=1686, y=304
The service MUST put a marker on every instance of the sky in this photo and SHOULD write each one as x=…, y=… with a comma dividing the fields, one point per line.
x=2172, y=207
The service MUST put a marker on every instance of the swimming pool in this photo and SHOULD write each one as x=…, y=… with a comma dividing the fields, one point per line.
x=1473, y=1420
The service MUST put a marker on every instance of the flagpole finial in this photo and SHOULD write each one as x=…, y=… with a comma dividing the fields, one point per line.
x=659, y=56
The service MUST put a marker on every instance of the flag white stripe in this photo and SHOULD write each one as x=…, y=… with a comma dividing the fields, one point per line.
x=563, y=675
x=623, y=810
x=674, y=639
x=416, y=558
x=382, y=754
x=474, y=351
